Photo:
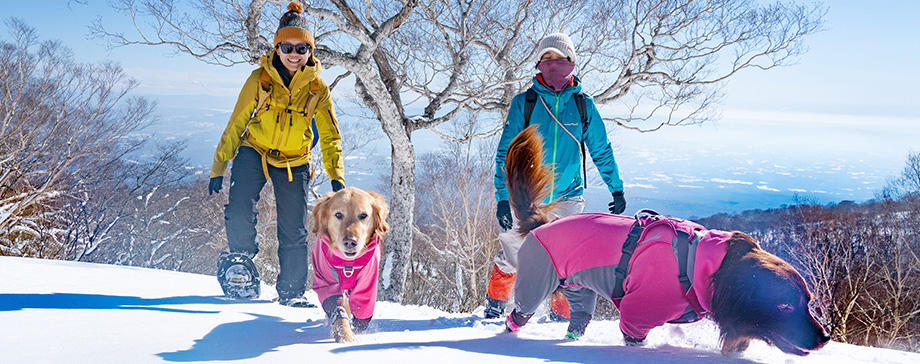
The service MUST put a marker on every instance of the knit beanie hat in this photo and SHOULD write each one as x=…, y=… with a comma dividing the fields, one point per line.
x=293, y=25
x=559, y=43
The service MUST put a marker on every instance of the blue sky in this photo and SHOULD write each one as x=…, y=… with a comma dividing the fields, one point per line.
x=833, y=126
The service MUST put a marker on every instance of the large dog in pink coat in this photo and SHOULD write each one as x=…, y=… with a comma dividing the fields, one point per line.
x=656, y=269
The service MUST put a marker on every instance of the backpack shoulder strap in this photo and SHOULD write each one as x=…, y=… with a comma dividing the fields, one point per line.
x=265, y=91
x=530, y=100
x=580, y=103
x=583, y=113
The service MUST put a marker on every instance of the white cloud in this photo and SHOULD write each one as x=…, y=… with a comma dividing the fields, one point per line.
x=689, y=186
x=661, y=177
x=637, y=185
x=730, y=181
x=797, y=190
x=765, y=188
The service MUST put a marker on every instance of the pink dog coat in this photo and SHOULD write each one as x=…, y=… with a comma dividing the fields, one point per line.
x=356, y=278
x=653, y=294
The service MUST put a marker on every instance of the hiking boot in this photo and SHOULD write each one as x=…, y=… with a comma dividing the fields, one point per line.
x=300, y=302
x=238, y=274
x=494, y=308
x=578, y=323
x=557, y=318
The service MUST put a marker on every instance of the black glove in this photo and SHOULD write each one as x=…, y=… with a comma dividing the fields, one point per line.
x=503, y=213
x=215, y=185
x=336, y=185
x=618, y=205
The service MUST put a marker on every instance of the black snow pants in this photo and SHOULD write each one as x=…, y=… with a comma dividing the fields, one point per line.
x=246, y=181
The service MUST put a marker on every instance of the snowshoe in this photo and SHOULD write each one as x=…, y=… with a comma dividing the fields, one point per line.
x=300, y=302
x=238, y=276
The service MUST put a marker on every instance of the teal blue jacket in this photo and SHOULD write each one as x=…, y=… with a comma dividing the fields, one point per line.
x=560, y=149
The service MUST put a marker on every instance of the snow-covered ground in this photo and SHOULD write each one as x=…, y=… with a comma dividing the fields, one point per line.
x=64, y=312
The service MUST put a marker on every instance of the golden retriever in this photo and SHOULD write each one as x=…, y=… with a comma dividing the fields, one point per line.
x=350, y=226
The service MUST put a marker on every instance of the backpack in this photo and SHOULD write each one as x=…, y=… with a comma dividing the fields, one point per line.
x=265, y=91
x=530, y=100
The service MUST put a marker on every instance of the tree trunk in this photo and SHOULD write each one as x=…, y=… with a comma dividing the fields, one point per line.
x=398, y=245
x=402, y=206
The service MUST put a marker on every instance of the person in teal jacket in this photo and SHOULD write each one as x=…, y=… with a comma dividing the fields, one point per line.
x=556, y=114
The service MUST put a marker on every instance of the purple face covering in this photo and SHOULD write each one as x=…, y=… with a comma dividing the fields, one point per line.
x=557, y=73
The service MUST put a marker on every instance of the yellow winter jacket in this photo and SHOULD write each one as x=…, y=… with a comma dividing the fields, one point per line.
x=280, y=129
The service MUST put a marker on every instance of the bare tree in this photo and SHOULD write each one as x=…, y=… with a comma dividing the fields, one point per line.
x=60, y=121
x=455, y=240
x=907, y=183
x=668, y=59
x=861, y=262
x=418, y=64
x=148, y=214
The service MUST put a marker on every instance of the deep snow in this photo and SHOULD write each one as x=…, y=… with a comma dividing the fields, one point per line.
x=65, y=312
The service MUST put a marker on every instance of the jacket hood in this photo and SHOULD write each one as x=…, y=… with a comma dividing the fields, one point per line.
x=303, y=77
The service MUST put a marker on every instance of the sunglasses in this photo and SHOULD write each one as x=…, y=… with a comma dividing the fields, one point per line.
x=288, y=48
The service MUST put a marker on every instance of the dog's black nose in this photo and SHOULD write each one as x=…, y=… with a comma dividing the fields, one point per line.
x=350, y=244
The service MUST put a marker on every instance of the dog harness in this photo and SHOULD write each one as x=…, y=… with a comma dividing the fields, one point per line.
x=336, y=275
x=347, y=270
x=686, y=238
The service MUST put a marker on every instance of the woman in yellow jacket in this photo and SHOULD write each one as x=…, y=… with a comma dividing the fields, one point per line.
x=269, y=137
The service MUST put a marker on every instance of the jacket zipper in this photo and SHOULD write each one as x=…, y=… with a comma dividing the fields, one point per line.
x=552, y=191
x=288, y=110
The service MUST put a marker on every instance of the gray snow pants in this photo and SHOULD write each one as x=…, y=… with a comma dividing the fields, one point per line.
x=537, y=279
x=246, y=181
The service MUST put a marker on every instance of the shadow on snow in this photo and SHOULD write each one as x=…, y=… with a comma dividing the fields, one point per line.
x=19, y=301
x=249, y=339
x=556, y=350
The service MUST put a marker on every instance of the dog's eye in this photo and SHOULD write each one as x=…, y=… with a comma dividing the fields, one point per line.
x=362, y=216
x=338, y=215
x=785, y=307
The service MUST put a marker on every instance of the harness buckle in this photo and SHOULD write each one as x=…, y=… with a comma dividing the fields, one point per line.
x=348, y=271
x=274, y=152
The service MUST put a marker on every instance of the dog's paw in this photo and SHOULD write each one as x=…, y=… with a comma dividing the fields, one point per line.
x=341, y=331
x=632, y=341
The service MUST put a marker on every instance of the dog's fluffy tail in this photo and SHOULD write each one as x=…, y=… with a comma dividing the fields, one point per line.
x=528, y=180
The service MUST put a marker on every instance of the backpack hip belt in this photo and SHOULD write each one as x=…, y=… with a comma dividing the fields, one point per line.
x=265, y=151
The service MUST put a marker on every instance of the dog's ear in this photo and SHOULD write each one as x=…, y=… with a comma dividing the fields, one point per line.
x=320, y=214
x=381, y=211
x=738, y=246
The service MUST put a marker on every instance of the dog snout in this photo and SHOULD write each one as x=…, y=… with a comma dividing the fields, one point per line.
x=350, y=244
x=824, y=336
